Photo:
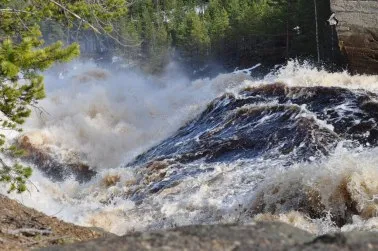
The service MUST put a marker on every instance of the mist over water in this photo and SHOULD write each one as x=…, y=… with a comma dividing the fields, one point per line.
x=106, y=118
x=167, y=151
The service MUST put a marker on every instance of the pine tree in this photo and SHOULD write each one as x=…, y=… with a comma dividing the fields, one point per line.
x=218, y=25
x=193, y=38
x=24, y=56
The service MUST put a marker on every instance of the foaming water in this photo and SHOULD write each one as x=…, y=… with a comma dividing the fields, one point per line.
x=105, y=118
x=295, y=73
x=317, y=171
x=343, y=187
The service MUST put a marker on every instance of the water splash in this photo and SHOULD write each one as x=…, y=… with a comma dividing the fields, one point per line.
x=105, y=119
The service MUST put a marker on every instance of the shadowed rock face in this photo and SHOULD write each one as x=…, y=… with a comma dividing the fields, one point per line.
x=358, y=33
x=257, y=236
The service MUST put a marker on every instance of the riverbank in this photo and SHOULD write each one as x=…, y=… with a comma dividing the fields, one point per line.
x=23, y=228
x=255, y=236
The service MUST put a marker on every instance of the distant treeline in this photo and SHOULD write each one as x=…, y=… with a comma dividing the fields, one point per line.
x=197, y=33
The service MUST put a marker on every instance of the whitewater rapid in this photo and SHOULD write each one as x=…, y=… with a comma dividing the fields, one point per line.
x=104, y=120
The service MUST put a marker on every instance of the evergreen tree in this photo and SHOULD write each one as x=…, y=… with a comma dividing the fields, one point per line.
x=218, y=25
x=24, y=56
x=234, y=32
x=192, y=38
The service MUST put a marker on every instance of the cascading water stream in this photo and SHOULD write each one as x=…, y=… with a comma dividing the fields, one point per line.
x=127, y=152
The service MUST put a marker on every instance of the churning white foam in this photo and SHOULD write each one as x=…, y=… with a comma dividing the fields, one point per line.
x=345, y=185
x=296, y=73
x=106, y=119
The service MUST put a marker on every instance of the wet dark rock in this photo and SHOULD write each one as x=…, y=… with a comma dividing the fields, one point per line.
x=54, y=168
x=269, y=121
x=275, y=122
x=58, y=170
x=257, y=236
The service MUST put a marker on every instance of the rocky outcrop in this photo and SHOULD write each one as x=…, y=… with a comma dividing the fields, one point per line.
x=358, y=33
x=257, y=236
x=55, y=166
x=23, y=228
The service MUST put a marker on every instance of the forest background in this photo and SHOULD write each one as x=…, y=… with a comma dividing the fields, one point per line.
x=207, y=36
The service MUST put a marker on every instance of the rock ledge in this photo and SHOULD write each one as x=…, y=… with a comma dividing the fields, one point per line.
x=256, y=236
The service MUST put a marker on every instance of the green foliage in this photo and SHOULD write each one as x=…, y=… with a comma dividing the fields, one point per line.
x=192, y=38
x=146, y=33
x=16, y=175
x=231, y=31
x=24, y=56
x=217, y=21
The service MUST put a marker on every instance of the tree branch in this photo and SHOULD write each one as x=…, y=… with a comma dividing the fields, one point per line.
x=5, y=166
x=75, y=15
x=30, y=231
x=14, y=11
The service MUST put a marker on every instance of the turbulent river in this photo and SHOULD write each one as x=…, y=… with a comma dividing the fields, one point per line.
x=126, y=152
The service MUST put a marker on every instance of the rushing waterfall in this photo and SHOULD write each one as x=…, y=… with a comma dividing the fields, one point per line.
x=126, y=152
